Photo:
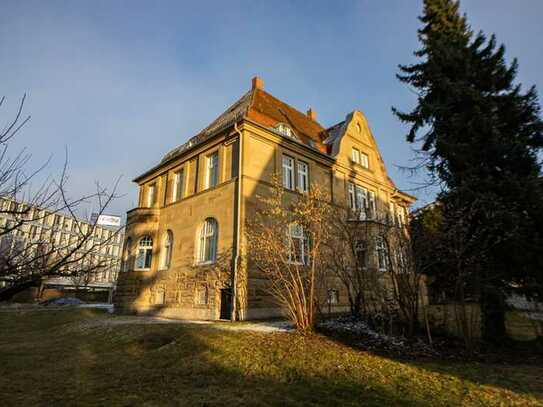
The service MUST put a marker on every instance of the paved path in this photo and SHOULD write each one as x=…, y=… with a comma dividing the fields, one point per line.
x=256, y=326
x=259, y=326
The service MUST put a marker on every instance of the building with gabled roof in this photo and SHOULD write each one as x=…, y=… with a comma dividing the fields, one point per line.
x=184, y=240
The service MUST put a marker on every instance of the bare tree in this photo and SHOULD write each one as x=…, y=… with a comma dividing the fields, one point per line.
x=285, y=243
x=26, y=257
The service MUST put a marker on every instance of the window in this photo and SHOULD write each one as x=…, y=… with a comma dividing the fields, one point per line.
x=298, y=245
x=178, y=186
x=207, y=248
x=167, y=250
x=145, y=253
x=303, y=176
x=126, y=254
x=333, y=296
x=361, y=201
x=151, y=195
x=288, y=172
x=202, y=295
x=160, y=296
x=361, y=253
x=360, y=158
x=355, y=155
x=352, y=197
x=381, y=250
x=364, y=160
x=285, y=130
x=400, y=216
x=212, y=170
x=372, y=209
x=34, y=233
x=392, y=213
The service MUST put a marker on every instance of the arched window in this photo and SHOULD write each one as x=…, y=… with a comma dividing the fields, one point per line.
x=207, y=245
x=167, y=250
x=126, y=254
x=145, y=253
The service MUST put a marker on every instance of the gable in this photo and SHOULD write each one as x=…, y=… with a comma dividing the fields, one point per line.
x=355, y=133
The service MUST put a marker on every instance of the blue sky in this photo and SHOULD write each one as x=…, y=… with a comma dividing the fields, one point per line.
x=119, y=83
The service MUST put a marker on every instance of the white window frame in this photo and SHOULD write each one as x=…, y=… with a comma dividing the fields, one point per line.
x=288, y=172
x=178, y=192
x=381, y=253
x=361, y=201
x=333, y=296
x=212, y=170
x=297, y=240
x=392, y=213
x=400, y=216
x=352, y=196
x=361, y=246
x=355, y=155
x=372, y=207
x=364, y=160
x=303, y=176
x=207, y=241
x=285, y=130
x=145, y=252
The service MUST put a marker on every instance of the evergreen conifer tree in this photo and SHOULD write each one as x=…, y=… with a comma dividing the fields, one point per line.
x=480, y=136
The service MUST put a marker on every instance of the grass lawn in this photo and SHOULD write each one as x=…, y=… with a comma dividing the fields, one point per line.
x=65, y=358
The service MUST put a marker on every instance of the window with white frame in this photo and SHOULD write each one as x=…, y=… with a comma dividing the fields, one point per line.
x=361, y=253
x=361, y=201
x=392, y=213
x=212, y=178
x=381, y=251
x=364, y=160
x=151, y=195
x=355, y=155
x=285, y=130
x=333, y=296
x=372, y=207
x=288, y=172
x=178, y=185
x=167, y=250
x=145, y=253
x=303, y=176
x=298, y=245
x=400, y=216
x=207, y=244
x=352, y=196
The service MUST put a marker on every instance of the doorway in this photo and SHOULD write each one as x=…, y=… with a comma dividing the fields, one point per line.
x=226, y=303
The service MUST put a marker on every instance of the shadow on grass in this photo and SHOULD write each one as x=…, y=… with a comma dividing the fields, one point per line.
x=71, y=363
x=517, y=366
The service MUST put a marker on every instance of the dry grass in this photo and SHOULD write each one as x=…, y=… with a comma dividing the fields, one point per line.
x=50, y=358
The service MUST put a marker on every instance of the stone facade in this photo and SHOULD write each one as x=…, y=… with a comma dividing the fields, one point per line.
x=224, y=168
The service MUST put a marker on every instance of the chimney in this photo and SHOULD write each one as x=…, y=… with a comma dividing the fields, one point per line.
x=312, y=114
x=258, y=83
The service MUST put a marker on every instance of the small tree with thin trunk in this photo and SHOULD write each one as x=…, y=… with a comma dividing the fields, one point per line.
x=285, y=241
x=24, y=258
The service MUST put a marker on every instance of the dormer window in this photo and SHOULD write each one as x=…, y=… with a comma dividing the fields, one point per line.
x=285, y=130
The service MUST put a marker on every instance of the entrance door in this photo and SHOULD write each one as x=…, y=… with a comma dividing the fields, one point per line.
x=226, y=303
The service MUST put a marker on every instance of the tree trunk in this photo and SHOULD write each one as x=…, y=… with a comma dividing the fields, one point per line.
x=493, y=315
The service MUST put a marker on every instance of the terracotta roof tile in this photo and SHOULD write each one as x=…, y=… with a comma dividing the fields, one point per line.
x=267, y=110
